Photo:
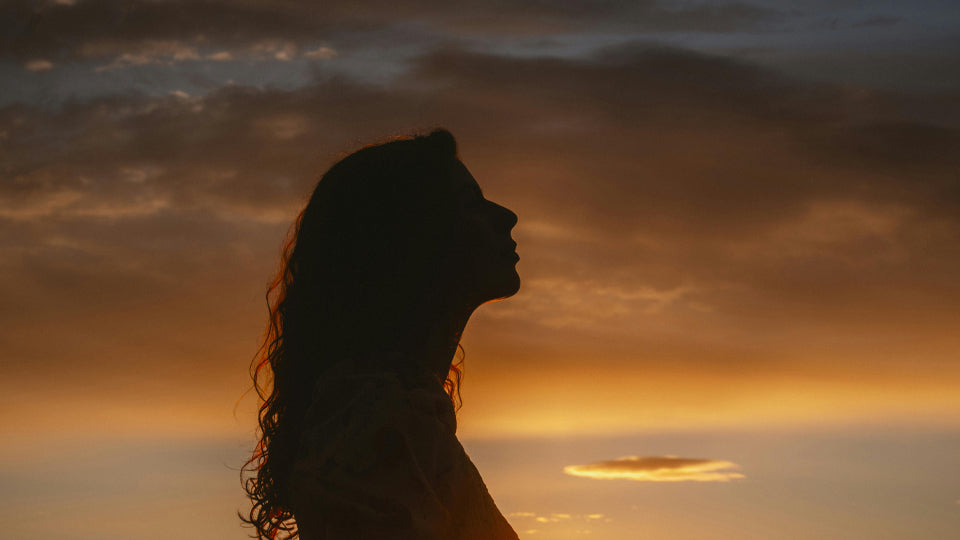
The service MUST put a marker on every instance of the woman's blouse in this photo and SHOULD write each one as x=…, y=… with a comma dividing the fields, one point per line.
x=379, y=458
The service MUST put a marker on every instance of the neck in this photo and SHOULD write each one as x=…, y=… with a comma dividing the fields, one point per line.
x=443, y=337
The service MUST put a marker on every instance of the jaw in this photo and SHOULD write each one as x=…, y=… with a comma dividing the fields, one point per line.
x=501, y=289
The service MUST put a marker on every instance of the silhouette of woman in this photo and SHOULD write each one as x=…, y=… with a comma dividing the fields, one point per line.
x=395, y=250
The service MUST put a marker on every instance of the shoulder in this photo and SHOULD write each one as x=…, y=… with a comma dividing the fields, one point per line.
x=371, y=449
x=354, y=417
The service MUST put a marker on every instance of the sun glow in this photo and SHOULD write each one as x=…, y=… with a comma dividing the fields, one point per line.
x=658, y=469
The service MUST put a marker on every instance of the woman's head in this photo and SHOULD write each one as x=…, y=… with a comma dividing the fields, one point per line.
x=390, y=232
x=394, y=236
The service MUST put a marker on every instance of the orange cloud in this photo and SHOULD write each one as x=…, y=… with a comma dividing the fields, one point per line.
x=555, y=522
x=658, y=469
x=38, y=65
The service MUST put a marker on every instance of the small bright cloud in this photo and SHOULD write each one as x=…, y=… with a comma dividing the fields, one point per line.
x=38, y=65
x=658, y=469
x=556, y=517
x=277, y=49
x=552, y=518
x=221, y=56
x=149, y=52
x=320, y=53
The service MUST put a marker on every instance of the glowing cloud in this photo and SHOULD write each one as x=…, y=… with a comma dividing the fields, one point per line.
x=320, y=53
x=38, y=65
x=658, y=469
x=162, y=52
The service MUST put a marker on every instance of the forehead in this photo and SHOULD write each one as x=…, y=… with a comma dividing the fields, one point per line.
x=460, y=177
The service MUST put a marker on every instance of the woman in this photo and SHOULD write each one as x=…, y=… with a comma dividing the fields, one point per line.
x=395, y=250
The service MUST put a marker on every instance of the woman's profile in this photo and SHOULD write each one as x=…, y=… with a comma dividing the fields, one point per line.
x=394, y=251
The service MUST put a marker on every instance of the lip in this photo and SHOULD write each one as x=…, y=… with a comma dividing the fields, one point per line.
x=511, y=252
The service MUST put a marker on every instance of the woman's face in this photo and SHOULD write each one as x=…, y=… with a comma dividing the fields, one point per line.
x=484, y=255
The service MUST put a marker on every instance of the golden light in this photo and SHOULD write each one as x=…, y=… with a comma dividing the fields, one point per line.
x=658, y=469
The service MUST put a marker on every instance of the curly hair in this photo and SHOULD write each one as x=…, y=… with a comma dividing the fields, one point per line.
x=368, y=241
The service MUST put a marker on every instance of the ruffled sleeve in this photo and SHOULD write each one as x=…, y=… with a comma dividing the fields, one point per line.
x=379, y=458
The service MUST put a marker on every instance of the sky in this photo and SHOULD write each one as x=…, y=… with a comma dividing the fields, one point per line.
x=739, y=231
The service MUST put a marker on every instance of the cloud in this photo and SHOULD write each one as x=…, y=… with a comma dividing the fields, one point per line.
x=676, y=209
x=61, y=29
x=320, y=53
x=172, y=52
x=148, y=52
x=278, y=49
x=38, y=65
x=556, y=522
x=658, y=469
x=566, y=303
x=114, y=26
x=221, y=56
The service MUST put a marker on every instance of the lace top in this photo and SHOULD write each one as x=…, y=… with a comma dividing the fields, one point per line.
x=379, y=458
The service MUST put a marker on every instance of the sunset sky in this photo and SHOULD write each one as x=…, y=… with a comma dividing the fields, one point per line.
x=739, y=231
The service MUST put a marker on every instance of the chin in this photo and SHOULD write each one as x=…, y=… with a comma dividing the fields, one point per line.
x=492, y=284
x=508, y=287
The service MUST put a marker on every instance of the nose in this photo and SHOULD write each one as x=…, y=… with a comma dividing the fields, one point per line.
x=505, y=216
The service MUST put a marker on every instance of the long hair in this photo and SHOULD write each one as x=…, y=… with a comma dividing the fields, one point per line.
x=356, y=272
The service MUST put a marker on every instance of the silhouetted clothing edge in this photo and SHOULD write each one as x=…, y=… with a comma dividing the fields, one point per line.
x=379, y=458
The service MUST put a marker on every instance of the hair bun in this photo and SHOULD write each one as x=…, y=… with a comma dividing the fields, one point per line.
x=443, y=140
